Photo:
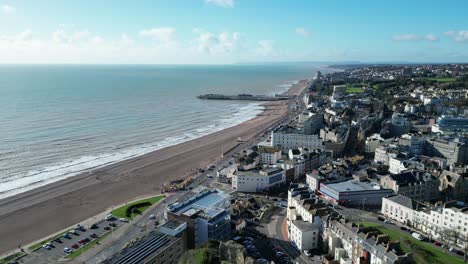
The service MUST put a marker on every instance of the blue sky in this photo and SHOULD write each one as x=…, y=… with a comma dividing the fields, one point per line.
x=230, y=31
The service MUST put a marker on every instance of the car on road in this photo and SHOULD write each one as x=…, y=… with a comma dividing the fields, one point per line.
x=307, y=253
x=152, y=216
x=67, y=250
x=387, y=221
x=124, y=220
x=75, y=246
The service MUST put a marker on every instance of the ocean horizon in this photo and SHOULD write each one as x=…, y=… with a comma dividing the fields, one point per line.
x=57, y=121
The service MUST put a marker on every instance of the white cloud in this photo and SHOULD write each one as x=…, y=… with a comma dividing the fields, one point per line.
x=163, y=35
x=302, y=32
x=459, y=36
x=221, y=3
x=126, y=40
x=8, y=9
x=431, y=37
x=224, y=42
x=406, y=37
x=265, y=48
x=415, y=37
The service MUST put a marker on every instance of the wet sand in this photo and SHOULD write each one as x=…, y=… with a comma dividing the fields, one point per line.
x=29, y=216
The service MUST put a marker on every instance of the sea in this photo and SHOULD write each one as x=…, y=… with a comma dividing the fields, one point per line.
x=57, y=121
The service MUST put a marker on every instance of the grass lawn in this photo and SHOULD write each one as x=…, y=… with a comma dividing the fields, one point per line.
x=91, y=244
x=354, y=90
x=422, y=251
x=11, y=257
x=201, y=256
x=38, y=245
x=443, y=80
x=121, y=211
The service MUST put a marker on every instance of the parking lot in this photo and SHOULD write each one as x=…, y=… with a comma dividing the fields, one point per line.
x=74, y=239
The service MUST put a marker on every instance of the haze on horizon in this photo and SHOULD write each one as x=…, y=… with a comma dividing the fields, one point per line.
x=232, y=31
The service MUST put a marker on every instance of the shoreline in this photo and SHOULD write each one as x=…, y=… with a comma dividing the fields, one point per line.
x=63, y=203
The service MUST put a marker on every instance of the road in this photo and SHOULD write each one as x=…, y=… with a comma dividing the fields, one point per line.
x=274, y=230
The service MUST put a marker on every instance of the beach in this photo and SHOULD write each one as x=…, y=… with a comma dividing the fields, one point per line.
x=34, y=214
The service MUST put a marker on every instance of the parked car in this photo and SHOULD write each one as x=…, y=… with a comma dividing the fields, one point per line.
x=109, y=217
x=57, y=240
x=437, y=243
x=82, y=241
x=107, y=228
x=418, y=236
x=87, y=240
x=152, y=216
x=75, y=246
x=93, y=235
x=74, y=232
x=94, y=226
x=67, y=250
x=307, y=253
x=113, y=224
x=66, y=235
x=387, y=221
x=46, y=247
x=124, y=220
x=380, y=218
x=80, y=228
x=404, y=228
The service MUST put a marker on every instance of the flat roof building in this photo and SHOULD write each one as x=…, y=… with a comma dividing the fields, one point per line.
x=355, y=193
x=207, y=216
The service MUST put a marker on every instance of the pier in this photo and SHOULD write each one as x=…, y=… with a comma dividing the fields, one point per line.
x=247, y=97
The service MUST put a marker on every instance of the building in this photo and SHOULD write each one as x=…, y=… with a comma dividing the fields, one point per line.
x=269, y=155
x=453, y=186
x=339, y=91
x=399, y=125
x=313, y=124
x=354, y=193
x=399, y=208
x=418, y=185
x=290, y=138
x=305, y=235
x=303, y=216
x=206, y=214
x=314, y=179
x=452, y=149
x=372, y=143
x=414, y=143
x=448, y=123
x=349, y=243
x=165, y=246
x=384, y=153
x=258, y=180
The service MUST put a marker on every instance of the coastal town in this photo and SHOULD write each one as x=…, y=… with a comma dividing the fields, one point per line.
x=367, y=165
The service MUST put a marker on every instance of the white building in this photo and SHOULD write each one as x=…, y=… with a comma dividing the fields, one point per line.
x=373, y=142
x=305, y=235
x=314, y=180
x=399, y=208
x=269, y=155
x=290, y=138
x=258, y=180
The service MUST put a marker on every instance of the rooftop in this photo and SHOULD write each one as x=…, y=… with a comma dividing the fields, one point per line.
x=352, y=185
x=304, y=226
x=207, y=201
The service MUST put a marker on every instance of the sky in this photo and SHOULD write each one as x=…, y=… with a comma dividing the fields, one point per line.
x=232, y=31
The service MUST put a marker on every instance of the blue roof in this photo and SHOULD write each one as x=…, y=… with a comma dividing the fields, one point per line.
x=204, y=201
